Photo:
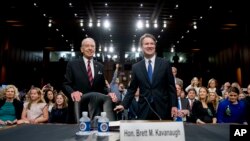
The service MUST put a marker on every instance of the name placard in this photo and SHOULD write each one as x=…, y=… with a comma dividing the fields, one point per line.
x=152, y=131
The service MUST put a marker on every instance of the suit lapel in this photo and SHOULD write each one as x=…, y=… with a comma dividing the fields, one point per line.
x=82, y=65
x=144, y=70
x=156, y=69
x=96, y=69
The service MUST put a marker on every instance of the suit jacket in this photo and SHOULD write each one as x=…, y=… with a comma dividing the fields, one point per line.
x=191, y=117
x=161, y=93
x=76, y=77
x=185, y=104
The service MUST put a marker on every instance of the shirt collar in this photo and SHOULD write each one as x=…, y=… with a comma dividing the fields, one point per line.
x=152, y=59
x=86, y=60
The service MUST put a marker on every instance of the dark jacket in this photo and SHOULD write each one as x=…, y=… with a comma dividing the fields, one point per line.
x=76, y=78
x=160, y=94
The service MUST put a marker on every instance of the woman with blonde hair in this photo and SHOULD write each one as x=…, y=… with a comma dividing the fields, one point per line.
x=35, y=109
x=10, y=106
x=203, y=110
x=195, y=83
x=212, y=86
x=214, y=99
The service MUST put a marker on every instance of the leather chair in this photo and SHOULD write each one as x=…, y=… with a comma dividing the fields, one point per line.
x=94, y=103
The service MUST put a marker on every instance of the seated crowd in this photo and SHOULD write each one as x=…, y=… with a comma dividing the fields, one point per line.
x=196, y=104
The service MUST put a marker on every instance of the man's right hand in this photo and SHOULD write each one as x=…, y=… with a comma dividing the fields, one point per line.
x=76, y=96
x=119, y=108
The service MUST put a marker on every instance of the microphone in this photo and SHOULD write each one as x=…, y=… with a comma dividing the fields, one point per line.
x=152, y=109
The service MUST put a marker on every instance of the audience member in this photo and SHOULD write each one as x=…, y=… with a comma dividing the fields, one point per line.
x=203, y=110
x=10, y=106
x=35, y=110
x=232, y=110
x=59, y=112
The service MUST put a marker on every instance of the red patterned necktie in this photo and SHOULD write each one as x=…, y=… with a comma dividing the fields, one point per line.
x=90, y=73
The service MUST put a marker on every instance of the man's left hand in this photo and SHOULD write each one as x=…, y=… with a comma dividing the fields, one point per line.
x=113, y=97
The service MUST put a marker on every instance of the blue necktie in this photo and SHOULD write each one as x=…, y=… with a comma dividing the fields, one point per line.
x=179, y=105
x=179, y=108
x=150, y=71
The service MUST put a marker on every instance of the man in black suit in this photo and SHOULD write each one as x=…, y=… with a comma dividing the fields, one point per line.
x=153, y=76
x=85, y=82
x=183, y=104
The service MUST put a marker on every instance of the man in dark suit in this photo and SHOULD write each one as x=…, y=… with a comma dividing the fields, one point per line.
x=183, y=105
x=191, y=99
x=84, y=81
x=153, y=76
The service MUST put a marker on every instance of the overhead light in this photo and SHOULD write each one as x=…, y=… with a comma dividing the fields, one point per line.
x=172, y=49
x=106, y=24
x=147, y=24
x=164, y=25
x=98, y=23
x=81, y=24
x=70, y=4
x=139, y=24
x=195, y=26
x=90, y=24
x=155, y=25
